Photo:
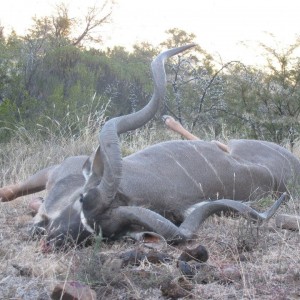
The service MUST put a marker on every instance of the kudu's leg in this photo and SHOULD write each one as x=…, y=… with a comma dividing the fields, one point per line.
x=177, y=127
x=33, y=184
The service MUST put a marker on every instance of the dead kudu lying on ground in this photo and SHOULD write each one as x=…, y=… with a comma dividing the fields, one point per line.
x=163, y=188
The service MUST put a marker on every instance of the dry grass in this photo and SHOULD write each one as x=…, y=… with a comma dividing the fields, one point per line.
x=245, y=262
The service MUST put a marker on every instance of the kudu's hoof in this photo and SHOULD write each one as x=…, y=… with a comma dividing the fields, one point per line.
x=35, y=204
x=7, y=194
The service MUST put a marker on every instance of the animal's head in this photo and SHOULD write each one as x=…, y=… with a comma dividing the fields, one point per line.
x=65, y=230
x=58, y=216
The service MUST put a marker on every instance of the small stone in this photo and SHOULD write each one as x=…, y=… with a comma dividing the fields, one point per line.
x=199, y=254
x=185, y=268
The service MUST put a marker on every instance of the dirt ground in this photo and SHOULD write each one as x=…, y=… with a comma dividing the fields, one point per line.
x=245, y=262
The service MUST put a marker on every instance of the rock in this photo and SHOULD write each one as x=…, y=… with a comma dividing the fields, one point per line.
x=290, y=222
x=73, y=291
x=199, y=254
x=185, y=269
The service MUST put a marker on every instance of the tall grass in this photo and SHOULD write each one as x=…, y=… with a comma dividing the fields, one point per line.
x=29, y=151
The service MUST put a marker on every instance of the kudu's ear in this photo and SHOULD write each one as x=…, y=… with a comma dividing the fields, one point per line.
x=93, y=167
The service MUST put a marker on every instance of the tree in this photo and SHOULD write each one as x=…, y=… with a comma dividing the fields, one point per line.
x=45, y=72
x=127, y=79
x=266, y=102
x=280, y=93
x=60, y=28
x=196, y=84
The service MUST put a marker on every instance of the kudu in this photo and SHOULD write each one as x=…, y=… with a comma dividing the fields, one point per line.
x=163, y=188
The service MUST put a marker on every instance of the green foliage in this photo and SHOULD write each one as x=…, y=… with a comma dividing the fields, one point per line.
x=266, y=103
x=48, y=78
x=249, y=102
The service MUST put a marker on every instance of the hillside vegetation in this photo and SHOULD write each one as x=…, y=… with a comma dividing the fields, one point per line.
x=50, y=78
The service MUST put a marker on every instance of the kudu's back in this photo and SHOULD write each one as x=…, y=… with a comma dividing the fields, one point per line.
x=182, y=173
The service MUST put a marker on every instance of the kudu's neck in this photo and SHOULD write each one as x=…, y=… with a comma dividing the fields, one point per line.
x=108, y=137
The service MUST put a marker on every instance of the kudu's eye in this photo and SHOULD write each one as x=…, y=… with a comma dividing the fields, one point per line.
x=81, y=198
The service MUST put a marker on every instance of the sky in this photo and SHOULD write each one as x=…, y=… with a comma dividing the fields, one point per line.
x=220, y=25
